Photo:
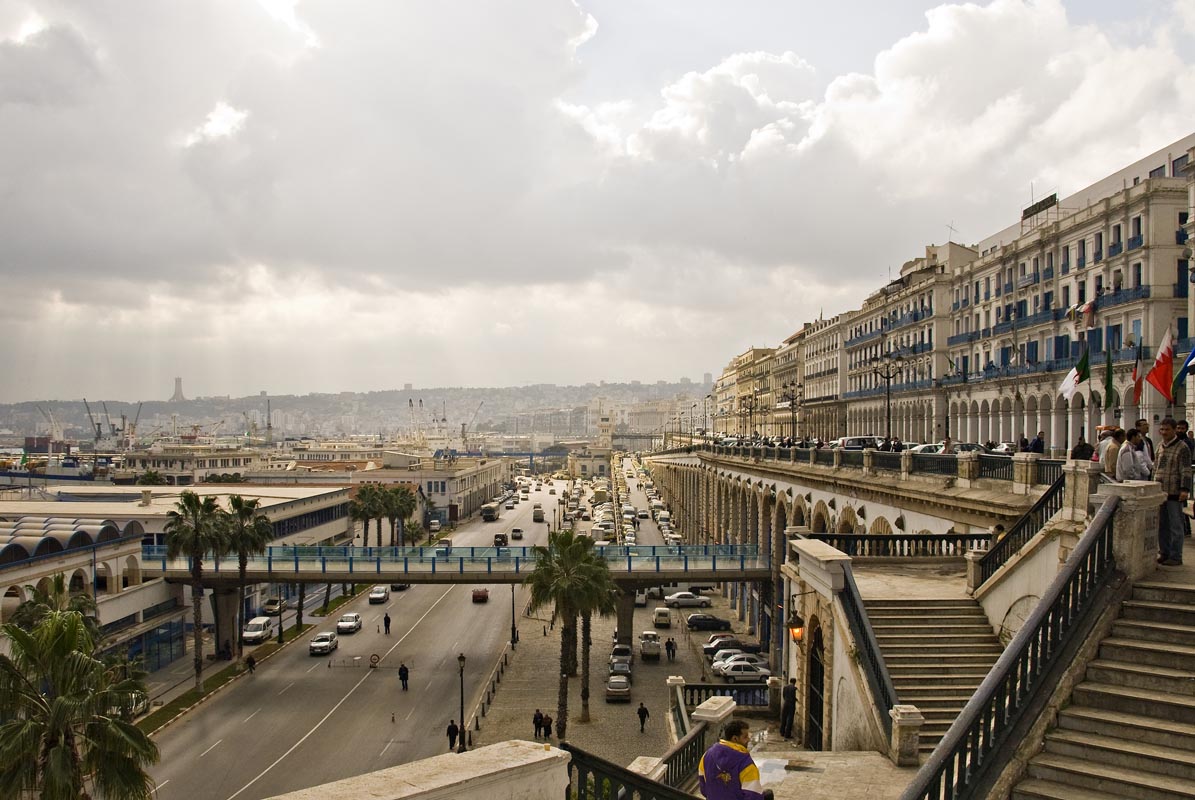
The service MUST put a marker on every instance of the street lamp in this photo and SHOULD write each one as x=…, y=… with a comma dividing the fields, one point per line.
x=692, y=421
x=514, y=632
x=748, y=406
x=461, y=660
x=793, y=393
x=886, y=368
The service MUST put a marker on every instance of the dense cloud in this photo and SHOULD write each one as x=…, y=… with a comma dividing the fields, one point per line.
x=296, y=197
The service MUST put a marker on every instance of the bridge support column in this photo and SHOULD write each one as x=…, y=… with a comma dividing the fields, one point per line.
x=626, y=616
x=224, y=604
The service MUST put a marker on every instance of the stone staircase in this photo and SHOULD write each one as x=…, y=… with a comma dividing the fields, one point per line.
x=937, y=652
x=1129, y=731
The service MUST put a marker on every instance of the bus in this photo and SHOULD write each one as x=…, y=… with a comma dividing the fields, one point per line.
x=490, y=512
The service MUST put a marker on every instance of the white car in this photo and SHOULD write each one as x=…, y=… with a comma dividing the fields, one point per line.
x=323, y=643
x=686, y=599
x=378, y=594
x=349, y=623
x=738, y=658
x=746, y=672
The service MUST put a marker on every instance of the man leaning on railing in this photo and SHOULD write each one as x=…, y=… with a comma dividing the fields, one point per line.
x=727, y=771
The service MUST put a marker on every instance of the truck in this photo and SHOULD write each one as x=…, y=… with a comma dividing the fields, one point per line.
x=599, y=496
x=649, y=646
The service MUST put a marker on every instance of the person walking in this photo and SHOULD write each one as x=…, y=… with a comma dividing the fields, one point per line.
x=251, y=664
x=547, y=726
x=386, y=623
x=404, y=675
x=1038, y=445
x=1172, y=469
x=788, y=708
x=537, y=719
x=671, y=649
x=643, y=715
x=727, y=771
x=452, y=732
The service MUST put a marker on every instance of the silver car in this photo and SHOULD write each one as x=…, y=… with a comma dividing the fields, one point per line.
x=323, y=643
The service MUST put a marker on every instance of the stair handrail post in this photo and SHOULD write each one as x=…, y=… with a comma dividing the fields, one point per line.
x=1135, y=546
x=1082, y=481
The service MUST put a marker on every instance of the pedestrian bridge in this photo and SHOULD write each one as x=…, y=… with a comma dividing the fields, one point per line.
x=649, y=564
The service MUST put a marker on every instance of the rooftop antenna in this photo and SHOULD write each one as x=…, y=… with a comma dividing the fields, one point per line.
x=950, y=231
x=269, y=423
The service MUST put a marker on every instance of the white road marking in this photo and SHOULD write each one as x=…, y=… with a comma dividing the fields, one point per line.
x=384, y=749
x=428, y=687
x=341, y=702
x=409, y=713
x=292, y=683
x=210, y=749
x=313, y=666
x=251, y=716
x=160, y=785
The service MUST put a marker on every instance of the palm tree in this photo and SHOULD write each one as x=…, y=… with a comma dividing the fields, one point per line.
x=399, y=503
x=193, y=530
x=604, y=603
x=151, y=477
x=564, y=576
x=249, y=532
x=367, y=506
x=64, y=735
x=56, y=598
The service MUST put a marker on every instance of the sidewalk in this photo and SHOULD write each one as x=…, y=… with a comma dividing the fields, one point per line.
x=613, y=730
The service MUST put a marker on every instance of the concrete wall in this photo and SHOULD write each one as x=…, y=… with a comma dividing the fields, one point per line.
x=1014, y=591
x=853, y=727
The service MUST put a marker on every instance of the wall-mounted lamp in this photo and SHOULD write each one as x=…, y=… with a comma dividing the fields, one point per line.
x=796, y=623
x=861, y=512
x=833, y=504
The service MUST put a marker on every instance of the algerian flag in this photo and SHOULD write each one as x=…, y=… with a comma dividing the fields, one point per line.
x=1109, y=389
x=1078, y=375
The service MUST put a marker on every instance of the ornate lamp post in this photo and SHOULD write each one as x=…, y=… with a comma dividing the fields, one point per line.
x=792, y=393
x=461, y=660
x=886, y=368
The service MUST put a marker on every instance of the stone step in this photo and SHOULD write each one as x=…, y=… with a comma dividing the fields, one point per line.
x=1037, y=789
x=1162, y=705
x=917, y=672
x=937, y=620
x=885, y=602
x=1160, y=654
x=1147, y=630
x=1144, y=757
x=1133, y=727
x=1120, y=782
x=1158, y=611
x=931, y=641
x=1170, y=593
x=944, y=702
x=913, y=649
x=1142, y=676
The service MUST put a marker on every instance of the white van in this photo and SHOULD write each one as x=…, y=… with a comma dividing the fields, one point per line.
x=661, y=618
x=258, y=630
x=664, y=518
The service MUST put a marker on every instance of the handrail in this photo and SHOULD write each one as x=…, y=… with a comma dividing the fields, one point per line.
x=681, y=760
x=1024, y=529
x=594, y=778
x=878, y=679
x=965, y=754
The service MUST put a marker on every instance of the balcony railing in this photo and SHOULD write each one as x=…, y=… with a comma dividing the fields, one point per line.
x=904, y=545
x=887, y=461
x=863, y=337
x=934, y=464
x=593, y=778
x=1121, y=296
x=1027, y=280
x=1047, y=274
x=1115, y=249
x=1080, y=262
x=1097, y=256
x=1182, y=289
x=1007, y=288
x=1066, y=268
x=1136, y=241
x=998, y=467
x=962, y=338
x=1180, y=237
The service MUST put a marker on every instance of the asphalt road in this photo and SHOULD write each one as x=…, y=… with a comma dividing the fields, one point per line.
x=304, y=720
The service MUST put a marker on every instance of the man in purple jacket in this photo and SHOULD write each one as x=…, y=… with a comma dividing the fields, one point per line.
x=727, y=771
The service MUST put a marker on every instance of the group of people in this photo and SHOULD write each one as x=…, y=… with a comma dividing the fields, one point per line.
x=542, y=723
x=1131, y=455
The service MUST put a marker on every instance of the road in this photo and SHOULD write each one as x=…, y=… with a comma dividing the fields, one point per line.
x=299, y=722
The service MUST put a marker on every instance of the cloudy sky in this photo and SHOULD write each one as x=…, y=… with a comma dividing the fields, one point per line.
x=330, y=195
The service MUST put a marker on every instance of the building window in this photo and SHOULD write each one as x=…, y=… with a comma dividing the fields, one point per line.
x=1115, y=234
x=1158, y=172
x=1177, y=165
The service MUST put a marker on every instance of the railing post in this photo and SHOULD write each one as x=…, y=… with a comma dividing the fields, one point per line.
x=869, y=461
x=837, y=453
x=973, y=558
x=1135, y=525
x=1082, y=481
x=968, y=469
x=714, y=712
x=1024, y=472
x=904, y=744
x=906, y=464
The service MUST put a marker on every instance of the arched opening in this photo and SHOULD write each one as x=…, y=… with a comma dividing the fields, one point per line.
x=816, y=691
x=132, y=572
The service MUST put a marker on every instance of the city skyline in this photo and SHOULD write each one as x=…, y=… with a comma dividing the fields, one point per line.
x=282, y=197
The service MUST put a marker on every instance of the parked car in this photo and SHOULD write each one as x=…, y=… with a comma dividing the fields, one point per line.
x=399, y=587
x=725, y=653
x=746, y=672
x=622, y=652
x=273, y=607
x=732, y=643
x=738, y=658
x=349, y=623
x=509, y=505
x=516, y=533
x=378, y=594
x=433, y=526
x=323, y=643
x=481, y=595
x=622, y=668
x=686, y=599
x=706, y=622
x=618, y=689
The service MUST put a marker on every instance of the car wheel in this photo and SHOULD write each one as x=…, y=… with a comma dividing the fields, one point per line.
x=706, y=604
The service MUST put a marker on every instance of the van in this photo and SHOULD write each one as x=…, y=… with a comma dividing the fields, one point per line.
x=258, y=630
x=444, y=547
x=664, y=518
x=661, y=618
x=641, y=598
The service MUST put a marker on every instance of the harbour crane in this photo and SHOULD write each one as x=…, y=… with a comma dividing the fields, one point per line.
x=96, y=430
x=465, y=426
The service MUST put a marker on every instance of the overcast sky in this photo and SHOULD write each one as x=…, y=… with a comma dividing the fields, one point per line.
x=333, y=195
